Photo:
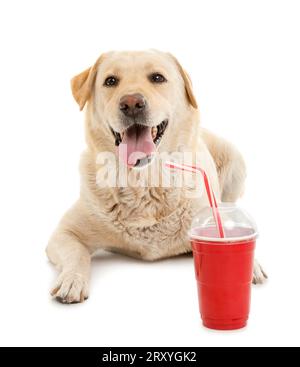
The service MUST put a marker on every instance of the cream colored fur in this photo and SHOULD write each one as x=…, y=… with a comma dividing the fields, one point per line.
x=146, y=222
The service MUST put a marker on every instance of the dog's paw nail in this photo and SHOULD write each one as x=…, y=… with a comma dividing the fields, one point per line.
x=70, y=288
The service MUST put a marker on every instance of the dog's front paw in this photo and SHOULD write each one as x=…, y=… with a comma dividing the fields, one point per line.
x=259, y=275
x=70, y=287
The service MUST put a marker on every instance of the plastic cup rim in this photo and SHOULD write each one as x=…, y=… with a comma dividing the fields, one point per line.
x=253, y=235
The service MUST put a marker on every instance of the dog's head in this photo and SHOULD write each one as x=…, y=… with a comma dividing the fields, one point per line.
x=138, y=96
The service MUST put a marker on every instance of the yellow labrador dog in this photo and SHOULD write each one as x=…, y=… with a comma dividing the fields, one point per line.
x=138, y=105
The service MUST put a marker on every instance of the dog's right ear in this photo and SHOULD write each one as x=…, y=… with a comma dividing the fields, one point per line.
x=82, y=84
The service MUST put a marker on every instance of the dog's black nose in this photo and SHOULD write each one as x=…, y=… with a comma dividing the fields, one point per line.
x=132, y=104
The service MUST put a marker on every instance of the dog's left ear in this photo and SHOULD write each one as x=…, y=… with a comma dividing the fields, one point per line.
x=187, y=83
x=82, y=84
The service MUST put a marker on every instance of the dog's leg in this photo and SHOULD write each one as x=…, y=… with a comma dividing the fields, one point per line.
x=73, y=260
x=232, y=173
x=68, y=251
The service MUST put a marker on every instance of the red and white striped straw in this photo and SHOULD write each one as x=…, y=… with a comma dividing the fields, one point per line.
x=210, y=194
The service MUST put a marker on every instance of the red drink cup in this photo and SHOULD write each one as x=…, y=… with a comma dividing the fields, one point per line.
x=224, y=268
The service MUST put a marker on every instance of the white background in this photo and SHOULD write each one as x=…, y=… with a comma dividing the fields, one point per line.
x=243, y=57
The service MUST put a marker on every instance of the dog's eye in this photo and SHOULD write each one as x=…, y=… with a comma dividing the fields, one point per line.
x=157, y=78
x=111, y=81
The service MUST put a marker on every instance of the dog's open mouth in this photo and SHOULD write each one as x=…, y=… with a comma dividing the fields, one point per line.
x=137, y=144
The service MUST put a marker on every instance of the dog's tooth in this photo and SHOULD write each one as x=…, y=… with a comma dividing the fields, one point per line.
x=154, y=132
x=157, y=139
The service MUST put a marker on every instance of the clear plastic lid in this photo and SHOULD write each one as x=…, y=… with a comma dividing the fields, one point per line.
x=237, y=224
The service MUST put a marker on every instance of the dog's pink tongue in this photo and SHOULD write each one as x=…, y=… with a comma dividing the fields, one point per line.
x=136, y=144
